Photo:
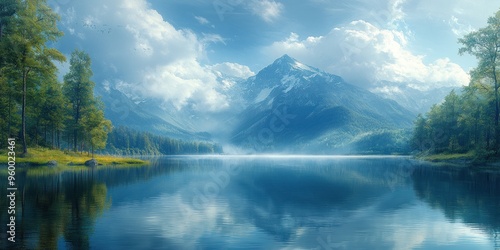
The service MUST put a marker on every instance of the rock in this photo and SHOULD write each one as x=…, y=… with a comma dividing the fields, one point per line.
x=91, y=163
x=71, y=163
x=52, y=163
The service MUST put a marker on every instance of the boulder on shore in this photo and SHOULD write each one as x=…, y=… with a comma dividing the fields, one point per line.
x=91, y=163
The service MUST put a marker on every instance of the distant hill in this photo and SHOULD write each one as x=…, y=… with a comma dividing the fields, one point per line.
x=123, y=110
x=412, y=98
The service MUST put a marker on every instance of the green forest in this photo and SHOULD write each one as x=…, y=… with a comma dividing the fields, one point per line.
x=35, y=106
x=468, y=122
x=126, y=141
x=39, y=110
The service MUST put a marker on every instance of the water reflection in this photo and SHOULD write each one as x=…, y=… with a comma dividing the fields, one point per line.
x=463, y=194
x=262, y=203
x=65, y=205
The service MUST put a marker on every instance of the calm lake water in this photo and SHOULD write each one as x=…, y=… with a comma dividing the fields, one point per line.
x=259, y=203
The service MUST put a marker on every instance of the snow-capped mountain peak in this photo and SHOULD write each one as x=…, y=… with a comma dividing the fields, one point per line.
x=284, y=75
x=288, y=64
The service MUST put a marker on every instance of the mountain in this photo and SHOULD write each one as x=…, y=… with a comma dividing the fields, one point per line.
x=126, y=110
x=287, y=107
x=294, y=107
x=412, y=98
x=125, y=106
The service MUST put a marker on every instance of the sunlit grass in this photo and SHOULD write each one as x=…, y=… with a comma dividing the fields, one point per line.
x=449, y=157
x=41, y=156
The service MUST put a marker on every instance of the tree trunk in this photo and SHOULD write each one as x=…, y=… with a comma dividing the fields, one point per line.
x=497, y=129
x=23, y=112
x=52, y=138
x=36, y=134
x=10, y=113
x=488, y=138
x=75, y=129
x=75, y=143
x=45, y=134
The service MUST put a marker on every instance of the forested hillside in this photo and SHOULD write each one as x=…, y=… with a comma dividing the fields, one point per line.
x=468, y=121
x=126, y=141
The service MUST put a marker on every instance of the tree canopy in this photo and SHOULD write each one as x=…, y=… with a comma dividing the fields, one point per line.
x=468, y=121
x=34, y=105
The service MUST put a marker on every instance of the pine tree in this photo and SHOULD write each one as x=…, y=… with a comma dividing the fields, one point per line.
x=484, y=44
x=78, y=89
x=33, y=26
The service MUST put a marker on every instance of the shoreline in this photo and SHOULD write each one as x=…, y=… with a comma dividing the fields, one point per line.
x=469, y=159
x=39, y=157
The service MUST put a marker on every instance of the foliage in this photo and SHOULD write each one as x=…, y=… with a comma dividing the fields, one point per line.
x=125, y=141
x=382, y=142
x=468, y=122
x=96, y=128
x=78, y=88
x=27, y=56
x=36, y=108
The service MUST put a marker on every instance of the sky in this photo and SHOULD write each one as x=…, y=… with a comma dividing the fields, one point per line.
x=175, y=50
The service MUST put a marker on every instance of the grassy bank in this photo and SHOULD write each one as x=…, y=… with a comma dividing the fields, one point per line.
x=470, y=158
x=447, y=157
x=41, y=156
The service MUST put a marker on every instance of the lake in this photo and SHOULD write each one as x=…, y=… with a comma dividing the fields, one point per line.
x=265, y=202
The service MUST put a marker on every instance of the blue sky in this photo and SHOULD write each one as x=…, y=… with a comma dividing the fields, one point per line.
x=174, y=50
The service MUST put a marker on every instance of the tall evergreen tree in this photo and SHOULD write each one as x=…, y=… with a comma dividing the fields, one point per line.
x=78, y=88
x=34, y=25
x=53, y=111
x=8, y=123
x=484, y=44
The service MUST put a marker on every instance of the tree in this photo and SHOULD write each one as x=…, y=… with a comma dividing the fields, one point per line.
x=419, y=134
x=484, y=44
x=78, y=88
x=7, y=10
x=474, y=118
x=450, y=111
x=96, y=128
x=7, y=91
x=33, y=26
x=53, y=110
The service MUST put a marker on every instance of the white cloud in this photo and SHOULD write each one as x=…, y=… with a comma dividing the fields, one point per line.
x=212, y=38
x=364, y=54
x=204, y=21
x=269, y=10
x=461, y=15
x=185, y=84
x=134, y=44
x=458, y=28
x=397, y=10
x=201, y=20
x=233, y=69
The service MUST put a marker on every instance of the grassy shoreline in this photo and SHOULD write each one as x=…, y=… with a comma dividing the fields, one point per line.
x=41, y=157
x=469, y=158
x=446, y=157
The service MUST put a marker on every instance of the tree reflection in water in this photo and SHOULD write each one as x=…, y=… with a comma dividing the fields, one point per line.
x=465, y=194
x=53, y=205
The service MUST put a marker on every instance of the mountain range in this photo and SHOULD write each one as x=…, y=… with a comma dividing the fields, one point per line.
x=286, y=107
